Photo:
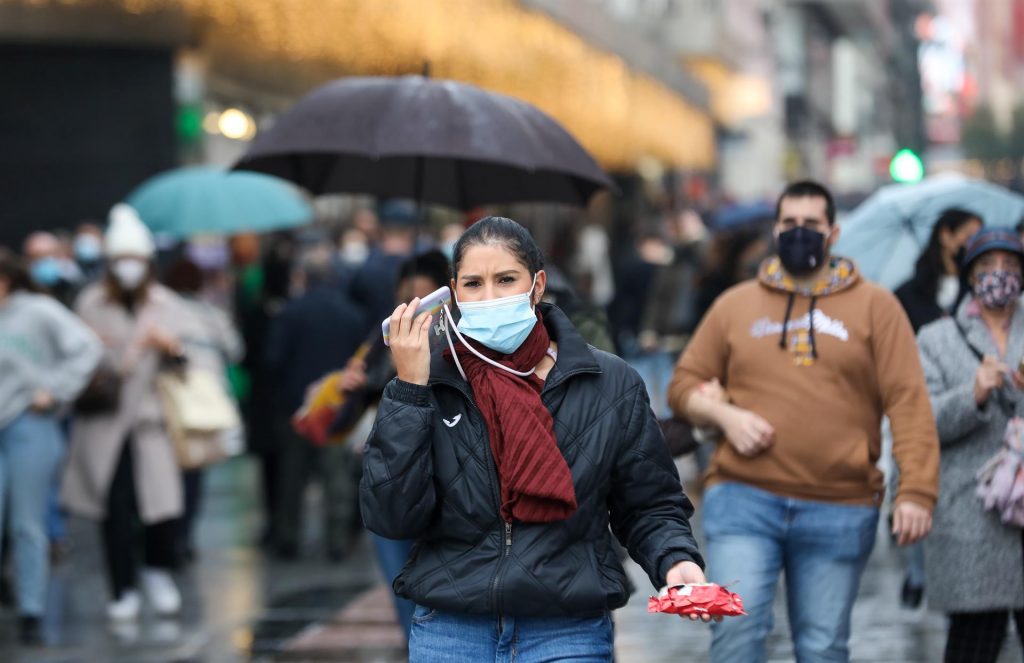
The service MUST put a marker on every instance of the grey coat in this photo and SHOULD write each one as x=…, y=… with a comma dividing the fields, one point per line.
x=97, y=440
x=973, y=562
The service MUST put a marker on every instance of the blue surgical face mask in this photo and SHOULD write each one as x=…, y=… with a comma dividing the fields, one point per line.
x=501, y=324
x=88, y=249
x=46, y=272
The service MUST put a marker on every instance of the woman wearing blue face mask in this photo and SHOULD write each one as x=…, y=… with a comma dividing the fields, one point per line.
x=47, y=356
x=506, y=454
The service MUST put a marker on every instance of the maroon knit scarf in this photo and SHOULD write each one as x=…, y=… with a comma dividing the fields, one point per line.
x=536, y=485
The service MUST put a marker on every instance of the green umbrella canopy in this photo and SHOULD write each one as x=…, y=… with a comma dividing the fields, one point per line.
x=208, y=200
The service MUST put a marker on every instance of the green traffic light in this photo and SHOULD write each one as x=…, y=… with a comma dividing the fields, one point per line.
x=189, y=123
x=906, y=167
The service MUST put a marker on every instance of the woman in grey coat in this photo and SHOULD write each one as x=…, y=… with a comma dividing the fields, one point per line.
x=974, y=563
x=46, y=358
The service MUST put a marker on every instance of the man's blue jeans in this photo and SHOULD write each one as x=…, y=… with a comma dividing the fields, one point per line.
x=31, y=448
x=440, y=637
x=753, y=536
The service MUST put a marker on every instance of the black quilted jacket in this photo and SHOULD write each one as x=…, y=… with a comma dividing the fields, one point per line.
x=429, y=475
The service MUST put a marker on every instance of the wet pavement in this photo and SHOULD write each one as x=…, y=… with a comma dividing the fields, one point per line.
x=242, y=606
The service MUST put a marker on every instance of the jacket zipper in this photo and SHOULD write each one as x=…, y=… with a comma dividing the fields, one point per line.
x=501, y=564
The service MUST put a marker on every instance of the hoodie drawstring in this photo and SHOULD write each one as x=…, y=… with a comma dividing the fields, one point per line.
x=785, y=320
x=810, y=331
x=810, y=314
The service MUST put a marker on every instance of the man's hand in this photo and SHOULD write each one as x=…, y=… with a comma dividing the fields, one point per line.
x=749, y=433
x=910, y=523
x=688, y=573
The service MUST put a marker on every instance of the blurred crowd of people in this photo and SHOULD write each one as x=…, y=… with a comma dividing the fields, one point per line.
x=89, y=321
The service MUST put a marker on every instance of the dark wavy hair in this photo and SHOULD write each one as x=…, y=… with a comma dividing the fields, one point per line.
x=929, y=266
x=506, y=233
x=431, y=265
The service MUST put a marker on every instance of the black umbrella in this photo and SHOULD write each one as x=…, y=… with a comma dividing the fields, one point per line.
x=430, y=140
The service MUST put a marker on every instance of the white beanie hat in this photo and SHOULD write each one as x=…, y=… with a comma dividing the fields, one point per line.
x=127, y=235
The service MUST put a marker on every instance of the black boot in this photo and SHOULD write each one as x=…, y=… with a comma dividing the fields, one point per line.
x=30, y=631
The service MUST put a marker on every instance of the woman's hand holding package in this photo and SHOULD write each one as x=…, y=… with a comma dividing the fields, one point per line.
x=688, y=573
x=410, y=343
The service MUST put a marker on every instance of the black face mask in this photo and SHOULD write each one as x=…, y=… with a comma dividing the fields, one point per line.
x=801, y=250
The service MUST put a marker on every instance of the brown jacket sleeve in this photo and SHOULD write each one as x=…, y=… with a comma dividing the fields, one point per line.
x=706, y=357
x=915, y=442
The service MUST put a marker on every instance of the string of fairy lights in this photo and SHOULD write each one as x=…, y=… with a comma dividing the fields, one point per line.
x=623, y=117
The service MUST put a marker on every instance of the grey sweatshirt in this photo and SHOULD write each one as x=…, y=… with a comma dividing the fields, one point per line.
x=42, y=346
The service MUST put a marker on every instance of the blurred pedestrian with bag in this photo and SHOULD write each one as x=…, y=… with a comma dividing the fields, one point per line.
x=972, y=361
x=46, y=357
x=122, y=469
x=506, y=456
x=212, y=344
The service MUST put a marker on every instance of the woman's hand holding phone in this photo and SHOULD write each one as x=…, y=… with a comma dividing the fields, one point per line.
x=410, y=343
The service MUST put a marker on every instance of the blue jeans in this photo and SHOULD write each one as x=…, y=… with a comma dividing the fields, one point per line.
x=753, y=536
x=392, y=556
x=655, y=368
x=31, y=447
x=440, y=637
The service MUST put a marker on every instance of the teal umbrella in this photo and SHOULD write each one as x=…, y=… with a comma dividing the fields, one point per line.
x=207, y=200
x=888, y=231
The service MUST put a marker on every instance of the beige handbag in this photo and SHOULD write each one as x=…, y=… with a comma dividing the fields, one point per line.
x=199, y=415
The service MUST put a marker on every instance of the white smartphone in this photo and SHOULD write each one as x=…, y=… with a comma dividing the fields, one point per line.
x=432, y=302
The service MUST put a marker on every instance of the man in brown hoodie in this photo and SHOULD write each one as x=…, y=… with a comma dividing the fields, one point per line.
x=796, y=370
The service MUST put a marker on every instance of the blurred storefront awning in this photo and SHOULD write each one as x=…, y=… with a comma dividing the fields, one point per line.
x=735, y=96
x=285, y=47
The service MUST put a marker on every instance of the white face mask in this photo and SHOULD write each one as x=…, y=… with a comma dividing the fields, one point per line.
x=130, y=272
x=354, y=253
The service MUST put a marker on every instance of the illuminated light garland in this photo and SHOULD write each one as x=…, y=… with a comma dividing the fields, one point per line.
x=619, y=115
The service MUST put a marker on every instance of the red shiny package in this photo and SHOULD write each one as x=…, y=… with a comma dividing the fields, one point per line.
x=697, y=599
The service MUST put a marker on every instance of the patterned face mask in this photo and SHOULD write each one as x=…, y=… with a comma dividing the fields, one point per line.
x=998, y=288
